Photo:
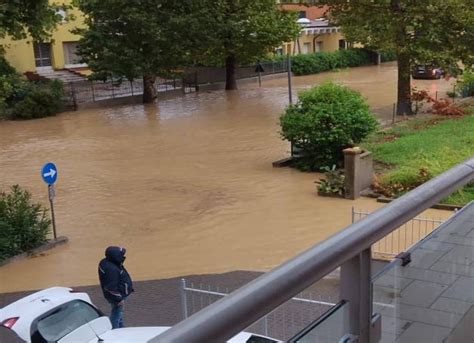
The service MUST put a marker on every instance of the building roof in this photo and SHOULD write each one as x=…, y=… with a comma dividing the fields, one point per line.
x=312, y=12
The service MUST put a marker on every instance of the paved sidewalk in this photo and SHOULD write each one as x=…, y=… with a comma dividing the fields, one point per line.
x=158, y=302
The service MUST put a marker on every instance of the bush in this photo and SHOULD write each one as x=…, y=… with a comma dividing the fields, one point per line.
x=23, y=225
x=30, y=100
x=388, y=56
x=326, y=120
x=333, y=182
x=466, y=83
x=324, y=61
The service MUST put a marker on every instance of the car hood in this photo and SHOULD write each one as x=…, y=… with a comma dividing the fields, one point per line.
x=145, y=334
x=140, y=334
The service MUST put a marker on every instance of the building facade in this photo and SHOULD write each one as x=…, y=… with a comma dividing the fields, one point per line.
x=57, y=53
x=317, y=34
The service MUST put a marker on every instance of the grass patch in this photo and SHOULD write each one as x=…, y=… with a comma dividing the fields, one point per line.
x=419, y=149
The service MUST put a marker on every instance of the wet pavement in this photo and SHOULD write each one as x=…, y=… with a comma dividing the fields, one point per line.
x=186, y=184
x=158, y=302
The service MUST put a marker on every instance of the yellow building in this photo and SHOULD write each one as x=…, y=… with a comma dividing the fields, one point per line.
x=316, y=36
x=57, y=53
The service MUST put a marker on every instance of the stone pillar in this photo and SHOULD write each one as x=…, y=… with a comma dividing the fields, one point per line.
x=358, y=171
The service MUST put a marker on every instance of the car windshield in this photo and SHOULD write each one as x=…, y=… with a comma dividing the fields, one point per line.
x=66, y=319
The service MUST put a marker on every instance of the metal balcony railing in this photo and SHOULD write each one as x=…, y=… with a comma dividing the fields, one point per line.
x=349, y=249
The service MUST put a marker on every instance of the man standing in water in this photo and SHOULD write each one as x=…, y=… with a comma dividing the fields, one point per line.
x=115, y=282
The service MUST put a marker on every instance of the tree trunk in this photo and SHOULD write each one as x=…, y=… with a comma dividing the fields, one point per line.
x=230, y=79
x=149, y=90
x=404, y=85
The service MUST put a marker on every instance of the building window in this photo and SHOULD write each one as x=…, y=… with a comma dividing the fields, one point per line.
x=306, y=48
x=302, y=14
x=319, y=46
x=62, y=13
x=42, y=54
x=342, y=44
x=70, y=53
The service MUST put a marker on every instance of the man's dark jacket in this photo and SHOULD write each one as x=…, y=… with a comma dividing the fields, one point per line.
x=115, y=281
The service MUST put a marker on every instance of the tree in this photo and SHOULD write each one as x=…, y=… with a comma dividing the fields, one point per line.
x=137, y=38
x=426, y=31
x=22, y=18
x=244, y=31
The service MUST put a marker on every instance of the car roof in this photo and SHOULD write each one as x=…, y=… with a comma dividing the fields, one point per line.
x=29, y=308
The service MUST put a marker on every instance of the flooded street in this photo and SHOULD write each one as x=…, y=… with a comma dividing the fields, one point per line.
x=186, y=185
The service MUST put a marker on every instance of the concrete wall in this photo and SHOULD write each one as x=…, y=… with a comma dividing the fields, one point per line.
x=358, y=171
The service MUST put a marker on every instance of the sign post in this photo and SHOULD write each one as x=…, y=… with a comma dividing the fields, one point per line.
x=259, y=69
x=49, y=173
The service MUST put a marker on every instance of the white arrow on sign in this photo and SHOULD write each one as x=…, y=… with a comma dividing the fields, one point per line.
x=51, y=173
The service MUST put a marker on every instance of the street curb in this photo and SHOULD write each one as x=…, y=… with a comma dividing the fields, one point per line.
x=47, y=246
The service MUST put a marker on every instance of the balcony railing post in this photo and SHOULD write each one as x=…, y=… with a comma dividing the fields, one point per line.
x=184, y=299
x=355, y=289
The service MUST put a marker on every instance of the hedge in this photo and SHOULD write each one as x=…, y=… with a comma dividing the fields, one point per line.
x=325, y=61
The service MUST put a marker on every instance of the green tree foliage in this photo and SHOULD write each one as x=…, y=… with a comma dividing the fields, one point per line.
x=5, y=67
x=139, y=38
x=22, y=18
x=243, y=31
x=23, y=224
x=146, y=38
x=326, y=120
x=439, y=31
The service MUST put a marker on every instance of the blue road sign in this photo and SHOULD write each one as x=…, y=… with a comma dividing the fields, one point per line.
x=49, y=173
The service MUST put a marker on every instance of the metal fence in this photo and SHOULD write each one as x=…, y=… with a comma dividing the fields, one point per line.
x=401, y=239
x=89, y=91
x=282, y=323
x=209, y=75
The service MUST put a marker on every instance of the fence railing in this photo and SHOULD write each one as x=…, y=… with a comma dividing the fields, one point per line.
x=350, y=249
x=402, y=238
x=282, y=323
x=88, y=91
x=209, y=75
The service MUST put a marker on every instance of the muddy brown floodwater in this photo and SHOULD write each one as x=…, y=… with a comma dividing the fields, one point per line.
x=186, y=185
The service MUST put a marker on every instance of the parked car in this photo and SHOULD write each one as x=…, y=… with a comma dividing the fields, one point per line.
x=427, y=71
x=61, y=315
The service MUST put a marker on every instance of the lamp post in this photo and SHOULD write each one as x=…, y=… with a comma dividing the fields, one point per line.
x=302, y=22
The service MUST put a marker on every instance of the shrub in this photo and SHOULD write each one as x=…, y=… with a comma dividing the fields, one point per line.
x=466, y=83
x=326, y=120
x=324, y=61
x=30, y=100
x=23, y=224
x=388, y=56
x=333, y=182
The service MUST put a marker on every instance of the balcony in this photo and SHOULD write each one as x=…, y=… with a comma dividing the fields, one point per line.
x=426, y=294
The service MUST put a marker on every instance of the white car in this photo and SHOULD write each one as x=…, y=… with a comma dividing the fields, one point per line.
x=61, y=315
